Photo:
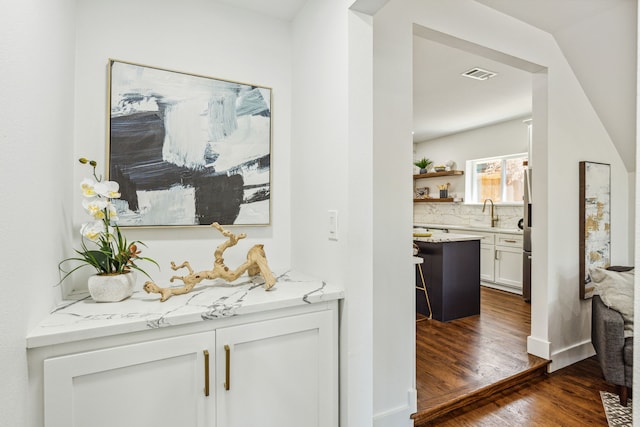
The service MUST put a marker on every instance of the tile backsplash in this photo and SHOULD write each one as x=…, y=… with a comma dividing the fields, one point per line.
x=466, y=215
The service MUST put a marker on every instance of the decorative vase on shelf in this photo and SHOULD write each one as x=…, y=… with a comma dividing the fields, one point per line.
x=111, y=287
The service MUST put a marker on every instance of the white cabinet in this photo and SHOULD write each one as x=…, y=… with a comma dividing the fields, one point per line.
x=278, y=370
x=278, y=373
x=157, y=383
x=487, y=253
x=487, y=248
x=500, y=259
x=508, y=262
x=508, y=266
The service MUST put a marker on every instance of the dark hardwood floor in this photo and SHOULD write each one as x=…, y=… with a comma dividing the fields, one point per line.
x=475, y=371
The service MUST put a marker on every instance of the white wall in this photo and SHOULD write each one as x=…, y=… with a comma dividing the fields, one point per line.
x=319, y=169
x=498, y=139
x=394, y=272
x=36, y=64
x=356, y=338
x=568, y=131
x=331, y=169
x=596, y=46
x=200, y=37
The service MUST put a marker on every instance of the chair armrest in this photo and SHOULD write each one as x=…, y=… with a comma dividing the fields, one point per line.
x=607, y=337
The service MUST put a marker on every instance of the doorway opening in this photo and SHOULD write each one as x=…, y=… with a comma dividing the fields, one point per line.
x=448, y=117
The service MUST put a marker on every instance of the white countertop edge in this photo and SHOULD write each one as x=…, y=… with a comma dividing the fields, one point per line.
x=84, y=319
x=447, y=238
x=468, y=228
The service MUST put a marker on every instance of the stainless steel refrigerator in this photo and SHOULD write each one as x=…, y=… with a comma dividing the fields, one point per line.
x=526, y=245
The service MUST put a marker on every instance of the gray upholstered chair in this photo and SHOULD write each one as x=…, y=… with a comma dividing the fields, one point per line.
x=613, y=350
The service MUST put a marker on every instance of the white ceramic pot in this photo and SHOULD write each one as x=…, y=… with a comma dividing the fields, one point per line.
x=111, y=287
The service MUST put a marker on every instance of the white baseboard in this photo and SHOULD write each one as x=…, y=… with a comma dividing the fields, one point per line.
x=538, y=347
x=413, y=400
x=570, y=355
x=501, y=287
x=560, y=358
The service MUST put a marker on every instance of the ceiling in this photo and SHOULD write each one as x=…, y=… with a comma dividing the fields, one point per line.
x=285, y=10
x=446, y=103
x=551, y=15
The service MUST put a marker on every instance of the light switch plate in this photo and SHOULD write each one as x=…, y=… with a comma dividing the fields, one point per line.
x=333, y=225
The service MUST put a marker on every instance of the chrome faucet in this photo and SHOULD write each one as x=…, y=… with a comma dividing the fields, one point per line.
x=494, y=219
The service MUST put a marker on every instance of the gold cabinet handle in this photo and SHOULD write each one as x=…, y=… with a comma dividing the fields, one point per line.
x=227, y=365
x=206, y=372
x=511, y=241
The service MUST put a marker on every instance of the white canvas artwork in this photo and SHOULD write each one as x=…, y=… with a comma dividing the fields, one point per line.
x=188, y=149
x=595, y=224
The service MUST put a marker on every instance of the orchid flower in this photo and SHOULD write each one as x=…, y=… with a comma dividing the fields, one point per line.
x=88, y=187
x=108, y=189
x=92, y=230
x=95, y=207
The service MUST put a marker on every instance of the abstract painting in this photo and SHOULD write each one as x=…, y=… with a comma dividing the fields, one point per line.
x=188, y=149
x=595, y=221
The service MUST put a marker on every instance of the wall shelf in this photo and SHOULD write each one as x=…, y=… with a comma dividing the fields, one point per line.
x=437, y=174
x=433, y=200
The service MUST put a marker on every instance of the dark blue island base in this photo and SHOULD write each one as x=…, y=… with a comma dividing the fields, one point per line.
x=452, y=274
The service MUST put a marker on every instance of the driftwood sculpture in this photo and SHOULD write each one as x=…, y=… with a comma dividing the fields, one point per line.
x=255, y=264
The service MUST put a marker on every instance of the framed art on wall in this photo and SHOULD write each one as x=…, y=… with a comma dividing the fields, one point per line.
x=187, y=149
x=595, y=221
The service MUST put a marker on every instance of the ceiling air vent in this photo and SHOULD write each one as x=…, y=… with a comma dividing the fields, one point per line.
x=479, y=74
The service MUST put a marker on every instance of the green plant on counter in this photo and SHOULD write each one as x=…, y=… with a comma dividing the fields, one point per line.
x=423, y=163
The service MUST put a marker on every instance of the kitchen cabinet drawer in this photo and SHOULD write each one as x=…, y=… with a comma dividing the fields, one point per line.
x=512, y=240
x=487, y=238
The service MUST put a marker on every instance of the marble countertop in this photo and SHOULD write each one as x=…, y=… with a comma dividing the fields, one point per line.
x=468, y=228
x=84, y=318
x=447, y=237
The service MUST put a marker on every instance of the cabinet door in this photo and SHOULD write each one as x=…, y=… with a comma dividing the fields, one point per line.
x=156, y=383
x=486, y=262
x=278, y=373
x=508, y=268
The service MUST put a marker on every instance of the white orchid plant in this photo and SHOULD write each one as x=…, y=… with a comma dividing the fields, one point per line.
x=113, y=255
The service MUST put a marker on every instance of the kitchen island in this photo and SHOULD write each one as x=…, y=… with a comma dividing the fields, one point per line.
x=451, y=271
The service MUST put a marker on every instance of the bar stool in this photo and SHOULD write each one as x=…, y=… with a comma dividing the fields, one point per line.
x=423, y=287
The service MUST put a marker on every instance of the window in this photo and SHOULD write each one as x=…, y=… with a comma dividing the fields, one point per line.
x=500, y=179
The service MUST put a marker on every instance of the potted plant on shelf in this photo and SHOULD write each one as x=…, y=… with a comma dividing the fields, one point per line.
x=424, y=164
x=113, y=258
